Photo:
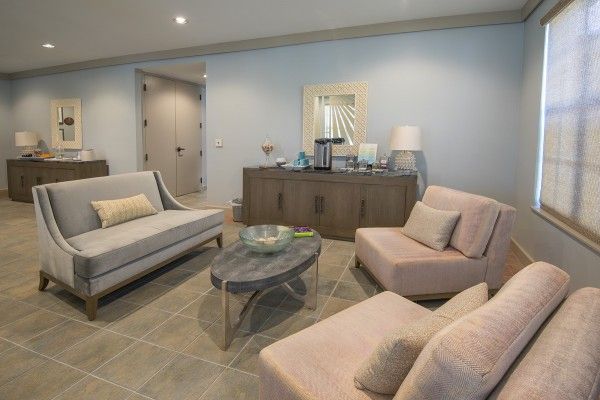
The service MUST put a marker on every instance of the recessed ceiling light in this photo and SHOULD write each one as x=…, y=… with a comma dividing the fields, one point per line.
x=180, y=20
x=205, y=75
x=48, y=45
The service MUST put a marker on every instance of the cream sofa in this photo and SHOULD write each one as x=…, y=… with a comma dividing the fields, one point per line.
x=477, y=251
x=76, y=253
x=524, y=343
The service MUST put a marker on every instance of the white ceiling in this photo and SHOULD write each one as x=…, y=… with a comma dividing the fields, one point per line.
x=86, y=30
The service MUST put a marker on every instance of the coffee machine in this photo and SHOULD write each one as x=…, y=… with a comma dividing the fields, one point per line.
x=323, y=153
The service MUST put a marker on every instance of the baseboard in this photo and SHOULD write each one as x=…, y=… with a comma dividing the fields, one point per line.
x=521, y=254
x=221, y=207
x=3, y=193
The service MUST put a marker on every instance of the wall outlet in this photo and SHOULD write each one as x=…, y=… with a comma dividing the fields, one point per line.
x=219, y=142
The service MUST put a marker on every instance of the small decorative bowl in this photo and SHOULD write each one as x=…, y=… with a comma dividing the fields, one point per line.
x=267, y=238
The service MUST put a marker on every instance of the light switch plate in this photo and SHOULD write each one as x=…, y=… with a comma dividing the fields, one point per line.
x=219, y=142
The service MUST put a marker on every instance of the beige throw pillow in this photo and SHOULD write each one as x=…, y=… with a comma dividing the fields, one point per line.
x=431, y=227
x=392, y=359
x=113, y=212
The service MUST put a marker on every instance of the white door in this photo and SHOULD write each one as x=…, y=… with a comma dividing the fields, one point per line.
x=187, y=128
x=159, y=129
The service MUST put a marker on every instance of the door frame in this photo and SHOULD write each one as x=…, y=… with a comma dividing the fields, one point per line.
x=140, y=74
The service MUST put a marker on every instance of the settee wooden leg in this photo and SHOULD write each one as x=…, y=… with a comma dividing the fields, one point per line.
x=43, y=282
x=91, y=306
x=220, y=241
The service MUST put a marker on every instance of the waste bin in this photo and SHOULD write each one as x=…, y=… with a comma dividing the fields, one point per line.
x=236, y=206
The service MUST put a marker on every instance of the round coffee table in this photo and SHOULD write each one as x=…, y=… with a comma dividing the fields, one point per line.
x=238, y=269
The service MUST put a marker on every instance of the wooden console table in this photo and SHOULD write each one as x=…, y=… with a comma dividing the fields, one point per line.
x=25, y=174
x=333, y=203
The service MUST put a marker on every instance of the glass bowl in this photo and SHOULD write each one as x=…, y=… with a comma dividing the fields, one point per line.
x=267, y=238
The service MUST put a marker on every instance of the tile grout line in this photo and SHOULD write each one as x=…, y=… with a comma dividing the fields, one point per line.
x=225, y=367
x=106, y=328
x=63, y=363
x=330, y=294
x=175, y=355
x=335, y=287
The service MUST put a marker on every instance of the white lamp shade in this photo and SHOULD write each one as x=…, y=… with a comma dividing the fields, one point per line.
x=23, y=139
x=405, y=138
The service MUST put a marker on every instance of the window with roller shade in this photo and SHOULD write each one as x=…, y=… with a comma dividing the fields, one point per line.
x=570, y=170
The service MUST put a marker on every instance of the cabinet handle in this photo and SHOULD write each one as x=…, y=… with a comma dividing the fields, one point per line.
x=316, y=204
x=22, y=181
x=38, y=180
x=280, y=201
x=362, y=208
x=322, y=204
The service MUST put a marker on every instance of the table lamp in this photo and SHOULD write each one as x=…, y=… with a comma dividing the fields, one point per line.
x=405, y=139
x=27, y=140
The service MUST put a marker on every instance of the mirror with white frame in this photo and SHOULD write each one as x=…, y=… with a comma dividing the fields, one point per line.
x=65, y=120
x=336, y=110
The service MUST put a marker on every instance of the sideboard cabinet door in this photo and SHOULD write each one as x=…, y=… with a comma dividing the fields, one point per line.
x=382, y=206
x=266, y=201
x=301, y=203
x=339, y=209
x=17, y=183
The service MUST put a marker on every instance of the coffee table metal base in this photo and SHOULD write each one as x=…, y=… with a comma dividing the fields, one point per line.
x=229, y=328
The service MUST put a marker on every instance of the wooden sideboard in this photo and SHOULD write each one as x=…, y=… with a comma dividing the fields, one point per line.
x=334, y=204
x=25, y=174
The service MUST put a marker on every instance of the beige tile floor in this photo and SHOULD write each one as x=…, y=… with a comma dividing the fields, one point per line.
x=155, y=339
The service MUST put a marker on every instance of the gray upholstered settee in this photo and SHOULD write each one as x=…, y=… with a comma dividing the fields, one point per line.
x=90, y=262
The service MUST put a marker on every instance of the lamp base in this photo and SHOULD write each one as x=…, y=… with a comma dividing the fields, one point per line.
x=405, y=160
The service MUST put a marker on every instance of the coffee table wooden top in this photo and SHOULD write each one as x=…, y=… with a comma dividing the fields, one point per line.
x=247, y=271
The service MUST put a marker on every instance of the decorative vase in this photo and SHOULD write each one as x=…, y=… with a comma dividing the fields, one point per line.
x=267, y=148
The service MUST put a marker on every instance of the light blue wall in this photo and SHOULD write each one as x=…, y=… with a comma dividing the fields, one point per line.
x=5, y=129
x=539, y=239
x=108, y=104
x=460, y=85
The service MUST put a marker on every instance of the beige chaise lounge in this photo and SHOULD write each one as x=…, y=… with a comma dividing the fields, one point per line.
x=503, y=349
x=91, y=262
x=477, y=251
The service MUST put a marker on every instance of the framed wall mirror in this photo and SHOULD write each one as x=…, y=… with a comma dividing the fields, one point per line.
x=337, y=110
x=65, y=121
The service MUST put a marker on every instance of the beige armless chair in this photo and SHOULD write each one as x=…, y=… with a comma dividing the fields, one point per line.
x=477, y=251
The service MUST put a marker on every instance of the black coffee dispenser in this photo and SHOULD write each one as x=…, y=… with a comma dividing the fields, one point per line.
x=323, y=152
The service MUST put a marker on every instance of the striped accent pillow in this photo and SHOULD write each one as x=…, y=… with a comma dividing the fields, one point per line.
x=114, y=212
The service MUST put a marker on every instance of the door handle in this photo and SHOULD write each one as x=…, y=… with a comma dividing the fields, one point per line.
x=322, y=204
x=362, y=208
x=179, y=148
x=316, y=204
x=22, y=181
x=280, y=201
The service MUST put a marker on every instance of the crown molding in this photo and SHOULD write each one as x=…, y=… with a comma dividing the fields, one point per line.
x=529, y=8
x=389, y=28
